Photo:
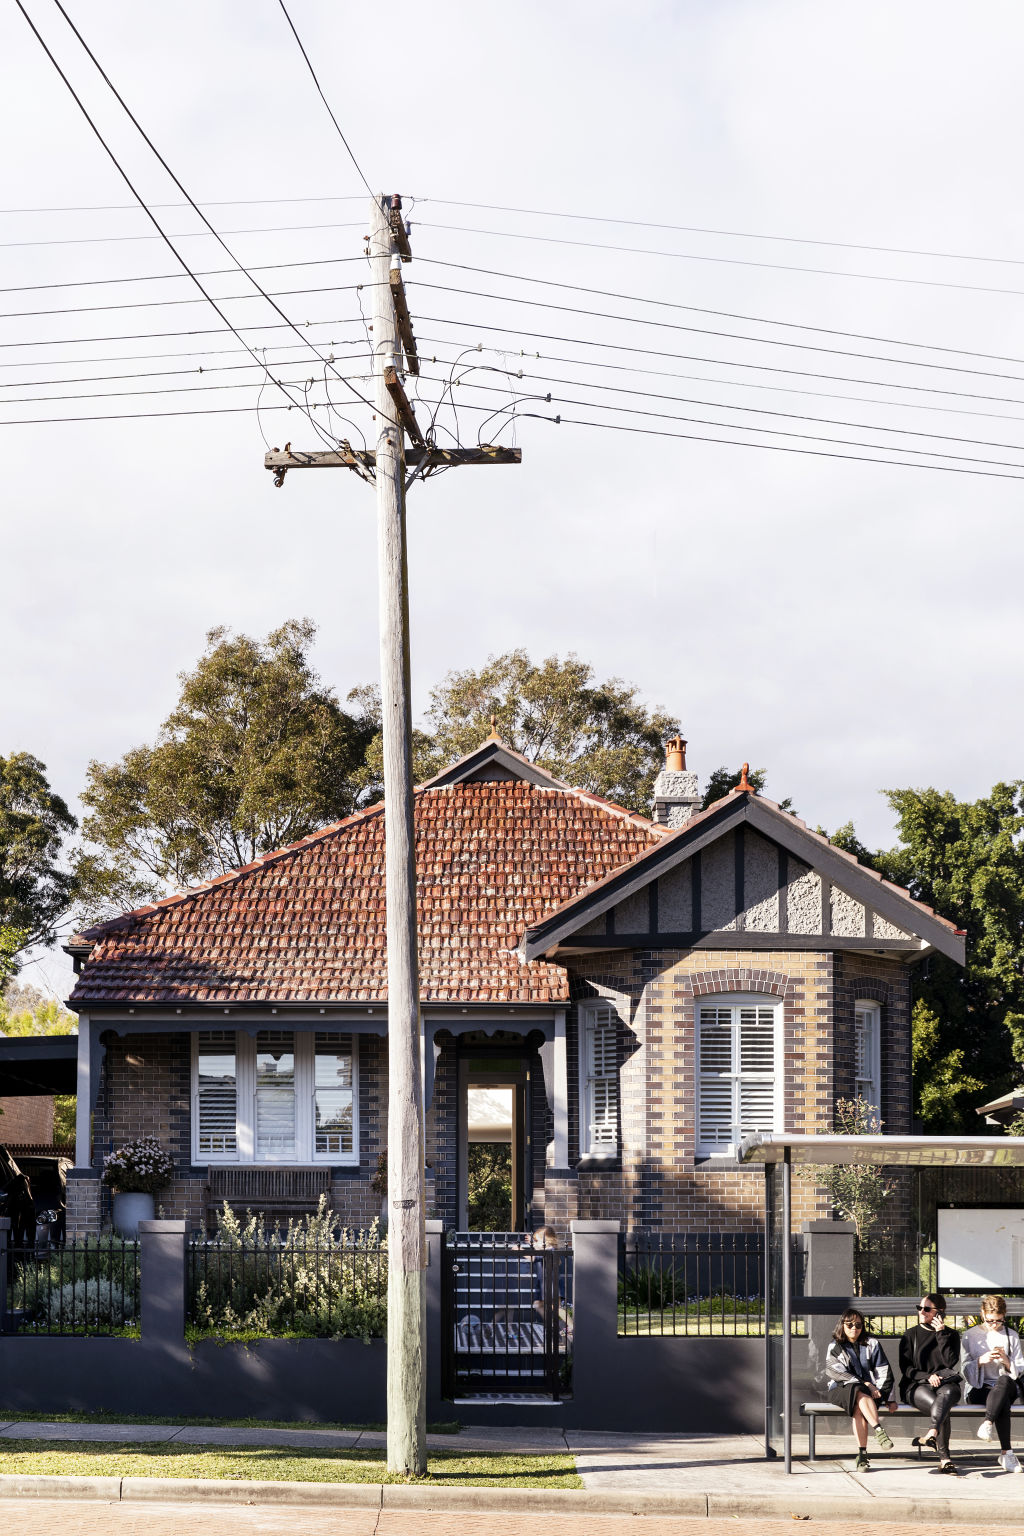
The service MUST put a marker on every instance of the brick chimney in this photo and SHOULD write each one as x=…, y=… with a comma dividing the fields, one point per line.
x=676, y=795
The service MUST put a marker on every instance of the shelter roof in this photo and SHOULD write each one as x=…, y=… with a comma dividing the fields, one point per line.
x=890, y=1151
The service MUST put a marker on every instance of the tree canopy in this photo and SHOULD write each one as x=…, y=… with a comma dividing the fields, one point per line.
x=965, y=859
x=35, y=889
x=597, y=736
x=257, y=753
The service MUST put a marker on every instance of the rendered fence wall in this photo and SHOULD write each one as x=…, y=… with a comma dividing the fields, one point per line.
x=710, y=1385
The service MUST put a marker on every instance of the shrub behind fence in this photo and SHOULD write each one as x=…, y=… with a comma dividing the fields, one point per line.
x=311, y=1280
x=89, y=1286
x=692, y=1283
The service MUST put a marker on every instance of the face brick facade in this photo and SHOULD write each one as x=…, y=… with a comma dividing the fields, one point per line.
x=539, y=907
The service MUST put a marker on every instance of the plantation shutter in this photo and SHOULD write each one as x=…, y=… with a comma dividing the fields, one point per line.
x=866, y=1045
x=275, y=1094
x=217, y=1093
x=333, y=1109
x=756, y=1045
x=735, y=1074
x=715, y=1097
x=602, y=1079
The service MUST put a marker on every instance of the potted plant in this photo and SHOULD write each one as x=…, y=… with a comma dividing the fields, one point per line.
x=135, y=1171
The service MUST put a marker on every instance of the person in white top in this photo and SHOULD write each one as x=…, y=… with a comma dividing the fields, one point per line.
x=992, y=1362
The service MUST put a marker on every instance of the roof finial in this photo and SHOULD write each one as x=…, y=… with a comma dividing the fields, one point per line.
x=744, y=783
x=494, y=729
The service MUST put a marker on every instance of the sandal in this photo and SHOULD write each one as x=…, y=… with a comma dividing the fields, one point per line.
x=948, y=1466
x=924, y=1442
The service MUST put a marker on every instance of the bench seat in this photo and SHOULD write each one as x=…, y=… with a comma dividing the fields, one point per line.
x=813, y=1411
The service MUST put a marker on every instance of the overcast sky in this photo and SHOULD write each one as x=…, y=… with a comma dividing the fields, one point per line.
x=848, y=625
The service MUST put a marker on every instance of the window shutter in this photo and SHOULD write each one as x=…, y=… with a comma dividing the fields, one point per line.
x=275, y=1094
x=715, y=1054
x=332, y=1094
x=602, y=1079
x=217, y=1093
x=735, y=1074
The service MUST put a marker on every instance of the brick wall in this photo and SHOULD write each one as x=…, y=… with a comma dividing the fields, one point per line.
x=658, y=1181
x=27, y=1121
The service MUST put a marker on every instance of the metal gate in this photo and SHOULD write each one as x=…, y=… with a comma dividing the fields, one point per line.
x=507, y=1316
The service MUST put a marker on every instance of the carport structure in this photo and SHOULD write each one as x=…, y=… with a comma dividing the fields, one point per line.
x=786, y=1300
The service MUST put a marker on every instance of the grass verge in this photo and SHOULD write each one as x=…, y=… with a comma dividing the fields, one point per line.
x=73, y=1458
x=102, y=1416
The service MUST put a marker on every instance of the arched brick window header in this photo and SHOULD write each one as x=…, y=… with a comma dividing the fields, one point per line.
x=872, y=989
x=739, y=979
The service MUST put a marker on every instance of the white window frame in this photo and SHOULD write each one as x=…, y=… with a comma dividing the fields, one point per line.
x=867, y=1030
x=589, y=1017
x=735, y=1001
x=304, y=1048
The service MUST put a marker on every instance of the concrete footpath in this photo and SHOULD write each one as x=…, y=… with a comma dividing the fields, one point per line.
x=694, y=1475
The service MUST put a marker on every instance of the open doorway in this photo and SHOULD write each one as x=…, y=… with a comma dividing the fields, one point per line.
x=492, y=1143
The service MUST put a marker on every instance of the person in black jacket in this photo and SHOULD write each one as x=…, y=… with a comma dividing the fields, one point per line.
x=930, y=1373
x=860, y=1379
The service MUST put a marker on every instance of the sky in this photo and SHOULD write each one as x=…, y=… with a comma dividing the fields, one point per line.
x=757, y=190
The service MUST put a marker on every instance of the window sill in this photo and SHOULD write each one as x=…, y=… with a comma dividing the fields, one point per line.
x=599, y=1162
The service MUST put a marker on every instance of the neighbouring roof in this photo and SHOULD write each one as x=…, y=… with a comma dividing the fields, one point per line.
x=307, y=923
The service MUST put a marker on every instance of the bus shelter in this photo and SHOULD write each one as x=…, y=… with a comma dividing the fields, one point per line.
x=967, y=1239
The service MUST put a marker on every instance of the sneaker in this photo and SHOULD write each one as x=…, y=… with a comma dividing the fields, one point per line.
x=882, y=1437
x=863, y=1465
x=1009, y=1462
x=986, y=1429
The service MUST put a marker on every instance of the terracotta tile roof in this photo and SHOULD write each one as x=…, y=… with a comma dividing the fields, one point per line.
x=307, y=923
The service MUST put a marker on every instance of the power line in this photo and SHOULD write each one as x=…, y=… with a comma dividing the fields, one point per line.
x=466, y=380
x=195, y=234
x=731, y=234
x=867, y=426
x=123, y=174
x=230, y=202
x=627, y=410
x=722, y=362
x=726, y=314
x=227, y=298
x=145, y=357
x=703, y=378
x=161, y=373
x=326, y=103
x=699, y=330
x=728, y=261
x=217, y=330
x=177, y=277
x=729, y=442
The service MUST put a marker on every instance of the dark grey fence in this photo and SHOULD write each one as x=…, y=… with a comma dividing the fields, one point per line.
x=303, y=1285
x=694, y=1284
x=88, y=1286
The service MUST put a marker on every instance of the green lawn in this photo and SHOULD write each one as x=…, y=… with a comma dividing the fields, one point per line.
x=683, y=1325
x=15, y=1416
x=75, y=1458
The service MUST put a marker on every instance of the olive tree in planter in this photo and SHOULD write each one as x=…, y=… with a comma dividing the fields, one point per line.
x=135, y=1172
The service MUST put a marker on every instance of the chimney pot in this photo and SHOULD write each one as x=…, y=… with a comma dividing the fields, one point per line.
x=675, y=755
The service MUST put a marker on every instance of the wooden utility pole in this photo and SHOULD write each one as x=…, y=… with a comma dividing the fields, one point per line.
x=392, y=337
x=407, y=1295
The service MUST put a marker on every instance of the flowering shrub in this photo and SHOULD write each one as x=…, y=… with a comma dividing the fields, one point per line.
x=139, y=1167
x=313, y=1280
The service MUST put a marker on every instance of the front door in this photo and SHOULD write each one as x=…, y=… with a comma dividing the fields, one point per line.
x=494, y=1185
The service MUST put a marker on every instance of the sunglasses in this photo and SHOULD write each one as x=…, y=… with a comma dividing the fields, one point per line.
x=926, y=1309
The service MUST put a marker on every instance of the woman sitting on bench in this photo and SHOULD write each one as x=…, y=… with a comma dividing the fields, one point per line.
x=930, y=1374
x=860, y=1379
x=993, y=1366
